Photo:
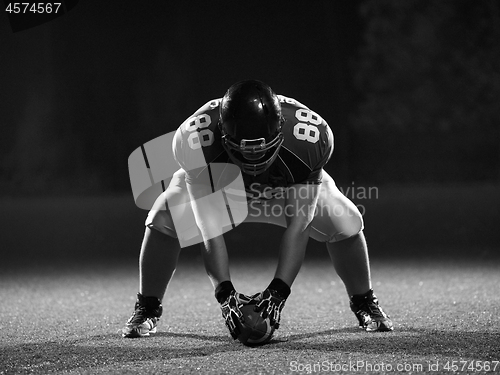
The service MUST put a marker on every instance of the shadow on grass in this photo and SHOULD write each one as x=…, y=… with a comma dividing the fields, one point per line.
x=110, y=349
x=408, y=342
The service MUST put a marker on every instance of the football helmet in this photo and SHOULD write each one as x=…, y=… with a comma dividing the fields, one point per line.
x=250, y=121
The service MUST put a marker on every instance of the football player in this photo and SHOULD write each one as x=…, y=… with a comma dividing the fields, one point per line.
x=278, y=147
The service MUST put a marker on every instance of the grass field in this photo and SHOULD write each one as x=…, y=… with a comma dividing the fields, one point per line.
x=67, y=285
x=67, y=321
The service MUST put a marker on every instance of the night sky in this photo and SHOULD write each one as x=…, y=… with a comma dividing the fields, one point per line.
x=80, y=93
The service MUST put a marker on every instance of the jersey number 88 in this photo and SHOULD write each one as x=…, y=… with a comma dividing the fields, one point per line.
x=200, y=136
x=307, y=129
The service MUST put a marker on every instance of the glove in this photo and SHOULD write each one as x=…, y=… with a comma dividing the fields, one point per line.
x=270, y=303
x=231, y=312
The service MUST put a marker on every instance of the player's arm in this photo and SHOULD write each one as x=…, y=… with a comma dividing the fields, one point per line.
x=208, y=212
x=299, y=208
x=208, y=216
x=207, y=209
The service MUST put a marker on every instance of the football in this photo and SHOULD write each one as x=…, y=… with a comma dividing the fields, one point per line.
x=254, y=330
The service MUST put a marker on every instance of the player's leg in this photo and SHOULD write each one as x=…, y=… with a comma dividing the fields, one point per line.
x=157, y=261
x=339, y=223
x=350, y=260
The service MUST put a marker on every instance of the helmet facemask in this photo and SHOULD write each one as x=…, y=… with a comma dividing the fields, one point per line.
x=253, y=156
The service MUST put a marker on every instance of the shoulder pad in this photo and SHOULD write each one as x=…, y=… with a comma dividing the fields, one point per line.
x=197, y=140
x=294, y=102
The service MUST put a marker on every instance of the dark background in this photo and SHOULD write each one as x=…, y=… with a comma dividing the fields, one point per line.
x=410, y=89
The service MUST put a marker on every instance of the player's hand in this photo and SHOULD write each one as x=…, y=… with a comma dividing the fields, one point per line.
x=231, y=312
x=270, y=304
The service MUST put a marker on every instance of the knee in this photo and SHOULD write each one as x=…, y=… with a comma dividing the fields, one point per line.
x=350, y=226
x=357, y=223
x=184, y=230
x=161, y=221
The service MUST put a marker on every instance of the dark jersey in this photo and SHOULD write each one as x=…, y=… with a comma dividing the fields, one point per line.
x=307, y=147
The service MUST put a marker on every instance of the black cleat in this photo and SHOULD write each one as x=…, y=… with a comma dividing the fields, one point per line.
x=370, y=315
x=145, y=317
